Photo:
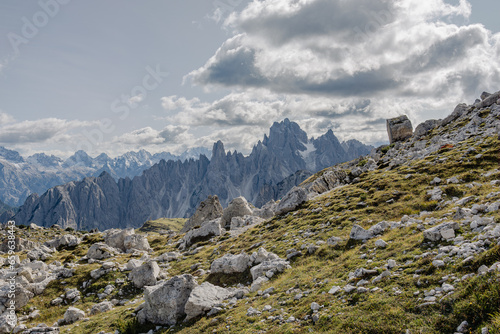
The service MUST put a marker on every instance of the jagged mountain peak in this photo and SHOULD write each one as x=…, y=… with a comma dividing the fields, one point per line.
x=10, y=155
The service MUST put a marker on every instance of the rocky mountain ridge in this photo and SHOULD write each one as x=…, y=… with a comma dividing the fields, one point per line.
x=174, y=188
x=20, y=177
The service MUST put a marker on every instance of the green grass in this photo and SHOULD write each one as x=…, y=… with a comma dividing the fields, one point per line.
x=173, y=224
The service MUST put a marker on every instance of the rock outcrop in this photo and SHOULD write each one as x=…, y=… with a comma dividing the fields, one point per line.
x=238, y=207
x=399, y=129
x=209, y=209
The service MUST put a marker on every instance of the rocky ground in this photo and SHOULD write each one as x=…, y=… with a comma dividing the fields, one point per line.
x=405, y=240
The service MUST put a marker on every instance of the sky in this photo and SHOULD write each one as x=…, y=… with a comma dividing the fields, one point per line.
x=120, y=75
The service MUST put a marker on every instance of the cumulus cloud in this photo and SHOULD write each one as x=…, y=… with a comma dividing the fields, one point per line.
x=39, y=131
x=5, y=118
x=360, y=48
x=148, y=136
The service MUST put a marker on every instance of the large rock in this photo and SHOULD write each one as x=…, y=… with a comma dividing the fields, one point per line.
x=136, y=242
x=203, y=298
x=116, y=237
x=72, y=315
x=269, y=268
x=442, y=231
x=101, y=307
x=209, y=209
x=165, y=303
x=263, y=255
x=67, y=240
x=488, y=100
x=7, y=323
x=424, y=128
x=100, y=251
x=238, y=207
x=359, y=233
x=399, y=128
x=457, y=112
x=205, y=232
x=239, y=222
x=231, y=264
x=292, y=200
x=145, y=274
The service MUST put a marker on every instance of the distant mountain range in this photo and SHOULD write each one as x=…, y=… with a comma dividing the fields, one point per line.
x=174, y=188
x=20, y=177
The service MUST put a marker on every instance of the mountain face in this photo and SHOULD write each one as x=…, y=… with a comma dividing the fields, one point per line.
x=20, y=177
x=174, y=188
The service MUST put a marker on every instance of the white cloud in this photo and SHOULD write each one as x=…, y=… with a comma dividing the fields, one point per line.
x=361, y=48
x=39, y=131
x=5, y=118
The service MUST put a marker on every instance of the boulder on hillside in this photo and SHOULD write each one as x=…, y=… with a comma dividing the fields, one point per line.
x=399, y=128
x=442, y=231
x=145, y=275
x=231, y=264
x=208, y=210
x=238, y=222
x=263, y=255
x=100, y=251
x=205, y=232
x=488, y=100
x=204, y=297
x=424, y=128
x=359, y=233
x=116, y=237
x=72, y=315
x=66, y=240
x=101, y=307
x=136, y=242
x=238, y=207
x=165, y=303
x=292, y=200
x=457, y=112
x=269, y=268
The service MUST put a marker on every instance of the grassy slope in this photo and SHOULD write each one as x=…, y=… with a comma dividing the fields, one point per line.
x=476, y=300
x=174, y=224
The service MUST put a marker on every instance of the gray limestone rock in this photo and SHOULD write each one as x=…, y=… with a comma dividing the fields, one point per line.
x=100, y=251
x=238, y=207
x=399, y=129
x=292, y=200
x=442, y=231
x=208, y=210
x=101, y=307
x=424, y=128
x=206, y=231
x=231, y=264
x=72, y=315
x=203, y=298
x=359, y=233
x=165, y=303
x=145, y=275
